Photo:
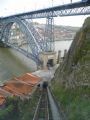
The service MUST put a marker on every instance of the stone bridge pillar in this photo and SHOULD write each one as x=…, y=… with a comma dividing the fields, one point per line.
x=48, y=59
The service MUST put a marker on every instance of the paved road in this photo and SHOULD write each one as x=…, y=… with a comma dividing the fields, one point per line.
x=46, y=74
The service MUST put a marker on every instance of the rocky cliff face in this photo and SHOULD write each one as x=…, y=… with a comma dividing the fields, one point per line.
x=75, y=70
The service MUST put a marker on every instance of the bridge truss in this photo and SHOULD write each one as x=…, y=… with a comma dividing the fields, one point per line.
x=34, y=42
x=78, y=8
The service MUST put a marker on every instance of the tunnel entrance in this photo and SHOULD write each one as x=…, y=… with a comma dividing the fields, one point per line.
x=50, y=63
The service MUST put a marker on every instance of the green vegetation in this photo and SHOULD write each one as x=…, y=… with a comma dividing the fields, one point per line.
x=27, y=107
x=83, y=47
x=10, y=112
x=17, y=109
x=71, y=84
x=74, y=102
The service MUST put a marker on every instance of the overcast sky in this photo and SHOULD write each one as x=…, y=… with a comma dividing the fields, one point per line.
x=10, y=7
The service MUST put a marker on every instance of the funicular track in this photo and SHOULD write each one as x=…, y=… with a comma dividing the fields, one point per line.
x=43, y=109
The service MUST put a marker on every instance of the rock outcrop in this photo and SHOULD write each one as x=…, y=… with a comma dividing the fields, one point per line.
x=75, y=69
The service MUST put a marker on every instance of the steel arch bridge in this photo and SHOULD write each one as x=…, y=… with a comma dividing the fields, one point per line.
x=33, y=41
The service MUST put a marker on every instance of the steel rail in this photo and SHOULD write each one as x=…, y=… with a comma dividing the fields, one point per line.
x=42, y=109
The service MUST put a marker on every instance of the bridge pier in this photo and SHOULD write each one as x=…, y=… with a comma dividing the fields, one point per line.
x=49, y=34
x=48, y=59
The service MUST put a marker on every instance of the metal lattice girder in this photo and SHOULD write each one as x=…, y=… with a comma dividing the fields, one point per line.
x=27, y=54
x=74, y=11
x=33, y=38
x=2, y=26
x=78, y=8
x=35, y=33
x=35, y=48
x=24, y=28
x=5, y=32
x=85, y=10
x=49, y=34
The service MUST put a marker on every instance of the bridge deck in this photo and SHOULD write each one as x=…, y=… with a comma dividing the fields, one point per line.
x=50, y=9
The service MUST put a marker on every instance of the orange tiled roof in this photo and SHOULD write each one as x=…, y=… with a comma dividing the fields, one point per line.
x=29, y=78
x=12, y=91
x=2, y=99
x=16, y=87
x=20, y=86
x=4, y=92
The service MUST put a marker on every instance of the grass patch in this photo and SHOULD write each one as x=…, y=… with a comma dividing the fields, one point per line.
x=27, y=107
x=16, y=109
x=75, y=102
